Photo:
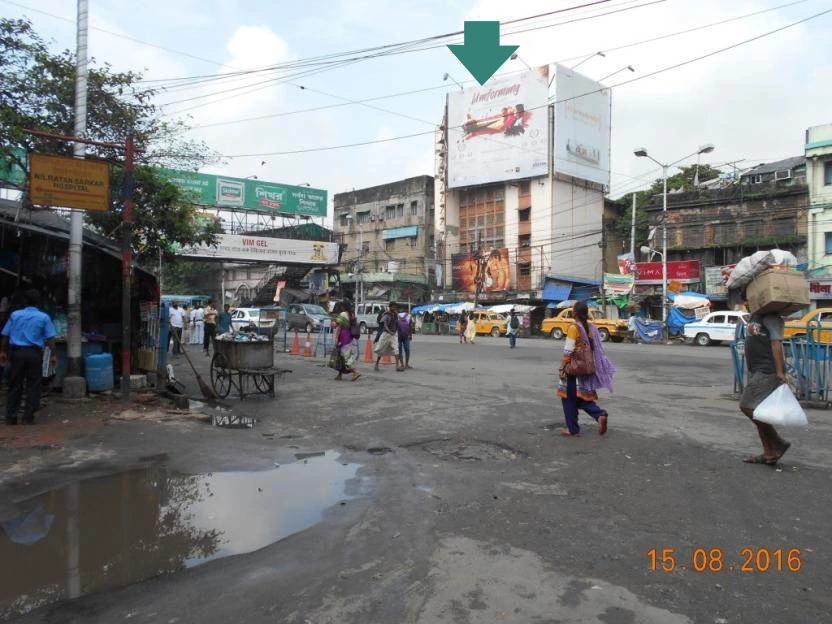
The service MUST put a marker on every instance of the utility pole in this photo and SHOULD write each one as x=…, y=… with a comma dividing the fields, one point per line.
x=633, y=230
x=126, y=269
x=76, y=388
x=603, y=266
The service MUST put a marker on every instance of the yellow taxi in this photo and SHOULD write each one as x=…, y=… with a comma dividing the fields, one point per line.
x=820, y=322
x=608, y=328
x=488, y=322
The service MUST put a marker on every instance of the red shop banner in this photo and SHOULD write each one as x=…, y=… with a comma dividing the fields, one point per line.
x=684, y=271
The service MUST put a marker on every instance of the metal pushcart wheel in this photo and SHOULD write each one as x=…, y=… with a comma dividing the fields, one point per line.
x=220, y=375
x=264, y=384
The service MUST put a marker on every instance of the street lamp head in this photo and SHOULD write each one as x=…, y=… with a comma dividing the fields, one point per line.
x=645, y=249
x=706, y=149
x=446, y=76
x=513, y=57
x=641, y=152
x=631, y=68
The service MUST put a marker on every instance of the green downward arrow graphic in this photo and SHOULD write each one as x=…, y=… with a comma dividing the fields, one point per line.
x=482, y=53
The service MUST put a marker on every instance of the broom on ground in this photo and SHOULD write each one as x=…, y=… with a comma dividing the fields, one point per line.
x=207, y=391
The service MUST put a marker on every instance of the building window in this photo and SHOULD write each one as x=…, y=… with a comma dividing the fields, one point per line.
x=413, y=240
x=783, y=174
x=365, y=247
x=525, y=214
x=525, y=188
x=525, y=270
x=757, y=179
x=363, y=217
x=828, y=241
x=827, y=173
x=344, y=221
x=390, y=244
x=724, y=233
x=525, y=240
x=414, y=208
x=390, y=212
x=400, y=210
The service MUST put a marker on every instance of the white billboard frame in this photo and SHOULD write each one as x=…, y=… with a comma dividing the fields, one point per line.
x=499, y=131
x=245, y=248
x=583, y=111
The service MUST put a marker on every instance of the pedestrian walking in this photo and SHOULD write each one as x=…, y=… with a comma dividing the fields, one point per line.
x=404, y=326
x=513, y=328
x=197, y=325
x=380, y=326
x=463, y=325
x=471, y=329
x=345, y=350
x=389, y=342
x=25, y=334
x=767, y=370
x=583, y=370
x=209, y=327
x=632, y=327
x=186, y=325
x=176, y=322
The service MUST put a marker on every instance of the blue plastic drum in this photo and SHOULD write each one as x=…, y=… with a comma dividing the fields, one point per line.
x=98, y=371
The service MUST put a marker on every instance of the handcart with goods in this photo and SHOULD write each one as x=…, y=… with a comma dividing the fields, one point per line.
x=245, y=367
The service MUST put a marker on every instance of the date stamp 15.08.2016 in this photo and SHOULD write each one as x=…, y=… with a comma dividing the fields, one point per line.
x=749, y=561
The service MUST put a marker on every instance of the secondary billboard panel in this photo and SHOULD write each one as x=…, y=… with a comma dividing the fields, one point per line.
x=495, y=276
x=246, y=194
x=582, y=127
x=499, y=131
x=262, y=249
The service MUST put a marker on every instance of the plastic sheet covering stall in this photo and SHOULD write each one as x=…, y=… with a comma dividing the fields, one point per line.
x=649, y=331
x=677, y=319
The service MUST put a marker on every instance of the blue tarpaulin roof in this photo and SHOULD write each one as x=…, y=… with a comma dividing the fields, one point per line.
x=556, y=291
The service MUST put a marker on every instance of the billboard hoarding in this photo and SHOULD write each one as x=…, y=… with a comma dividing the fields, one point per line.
x=500, y=131
x=495, y=276
x=682, y=271
x=68, y=182
x=716, y=278
x=262, y=249
x=244, y=194
x=582, y=127
x=626, y=263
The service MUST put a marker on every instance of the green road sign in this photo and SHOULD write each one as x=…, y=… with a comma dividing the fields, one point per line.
x=226, y=192
x=482, y=53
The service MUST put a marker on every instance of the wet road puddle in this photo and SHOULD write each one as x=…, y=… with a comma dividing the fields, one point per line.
x=121, y=529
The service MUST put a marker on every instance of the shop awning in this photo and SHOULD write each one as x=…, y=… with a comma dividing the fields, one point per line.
x=556, y=291
x=407, y=231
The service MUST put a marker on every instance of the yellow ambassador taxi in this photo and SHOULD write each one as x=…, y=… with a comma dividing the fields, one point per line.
x=820, y=321
x=609, y=329
x=488, y=322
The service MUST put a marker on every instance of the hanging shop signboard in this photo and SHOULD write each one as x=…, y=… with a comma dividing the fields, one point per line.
x=683, y=271
x=246, y=194
x=67, y=182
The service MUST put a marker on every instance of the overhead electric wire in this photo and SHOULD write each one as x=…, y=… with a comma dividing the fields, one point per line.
x=618, y=84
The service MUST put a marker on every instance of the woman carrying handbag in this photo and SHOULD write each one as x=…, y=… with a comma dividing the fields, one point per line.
x=583, y=370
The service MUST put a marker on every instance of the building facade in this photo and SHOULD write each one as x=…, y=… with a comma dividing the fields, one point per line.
x=766, y=208
x=388, y=227
x=819, y=180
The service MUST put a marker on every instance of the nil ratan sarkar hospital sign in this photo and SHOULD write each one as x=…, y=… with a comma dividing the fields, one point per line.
x=230, y=247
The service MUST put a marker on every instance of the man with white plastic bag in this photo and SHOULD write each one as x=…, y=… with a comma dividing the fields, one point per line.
x=767, y=372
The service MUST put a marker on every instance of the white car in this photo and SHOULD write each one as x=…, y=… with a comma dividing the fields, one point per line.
x=715, y=327
x=242, y=317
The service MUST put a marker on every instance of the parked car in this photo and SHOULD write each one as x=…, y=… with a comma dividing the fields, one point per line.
x=367, y=315
x=243, y=317
x=819, y=320
x=715, y=327
x=307, y=316
x=487, y=322
x=556, y=327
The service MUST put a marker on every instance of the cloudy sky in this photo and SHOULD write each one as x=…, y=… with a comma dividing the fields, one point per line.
x=753, y=102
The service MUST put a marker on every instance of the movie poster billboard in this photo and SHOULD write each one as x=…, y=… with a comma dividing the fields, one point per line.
x=499, y=131
x=494, y=272
x=582, y=127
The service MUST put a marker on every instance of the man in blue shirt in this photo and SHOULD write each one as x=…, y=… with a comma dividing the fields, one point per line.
x=25, y=333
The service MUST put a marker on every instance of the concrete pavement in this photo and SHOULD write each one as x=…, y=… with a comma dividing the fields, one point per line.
x=468, y=507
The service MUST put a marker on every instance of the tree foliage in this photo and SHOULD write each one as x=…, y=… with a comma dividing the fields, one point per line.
x=683, y=180
x=37, y=91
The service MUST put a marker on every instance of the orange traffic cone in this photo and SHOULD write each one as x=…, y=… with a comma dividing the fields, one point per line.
x=369, y=356
x=307, y=347
x=296, y=345
x=386, y=359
